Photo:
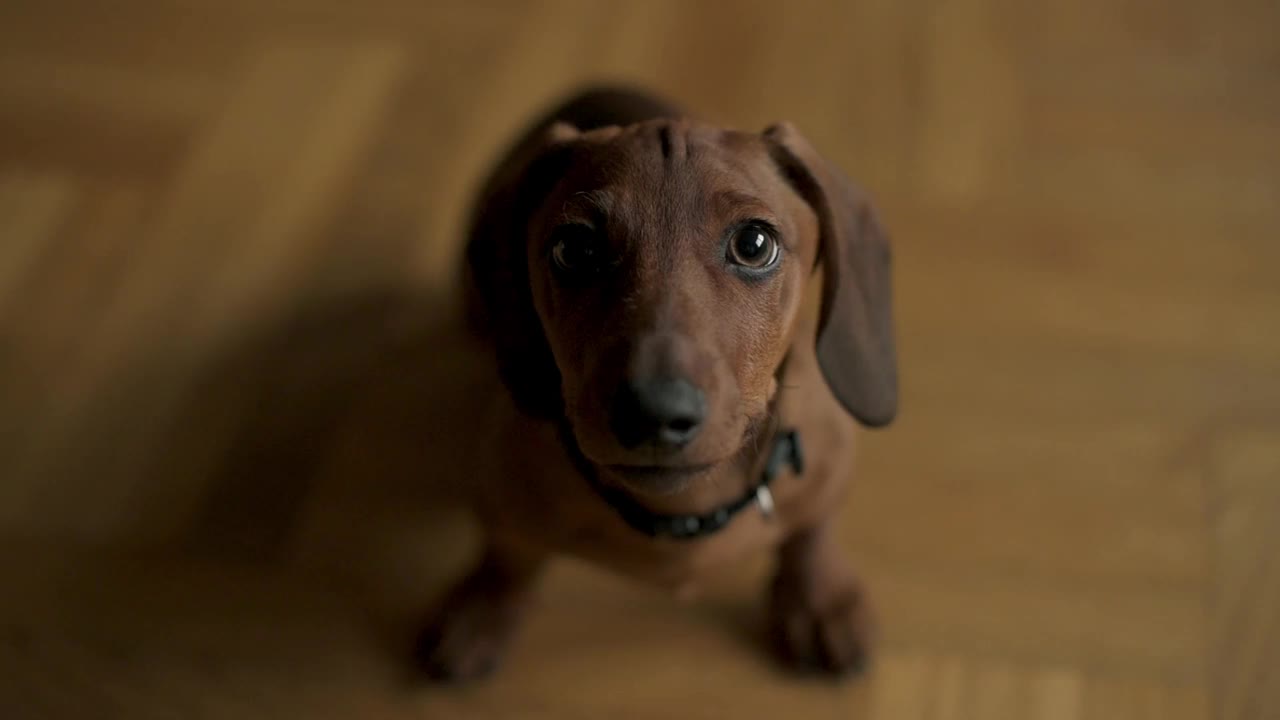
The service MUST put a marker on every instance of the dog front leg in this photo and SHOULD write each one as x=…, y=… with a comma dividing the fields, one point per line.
x=468, y=633
x=818, y=613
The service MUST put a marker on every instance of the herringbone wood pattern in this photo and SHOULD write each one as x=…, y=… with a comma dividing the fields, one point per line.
x=228, y=380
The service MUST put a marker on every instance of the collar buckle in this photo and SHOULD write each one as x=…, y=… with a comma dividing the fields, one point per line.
x=764, y=499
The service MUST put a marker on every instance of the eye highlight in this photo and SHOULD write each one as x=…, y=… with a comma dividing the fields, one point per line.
x=577, y=249
x=753, y=246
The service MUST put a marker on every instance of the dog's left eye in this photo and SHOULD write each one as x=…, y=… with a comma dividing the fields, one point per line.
x=753, y=246
x=577, y=248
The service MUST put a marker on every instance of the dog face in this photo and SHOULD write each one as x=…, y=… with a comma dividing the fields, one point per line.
x=666, y=267
x=644, y=282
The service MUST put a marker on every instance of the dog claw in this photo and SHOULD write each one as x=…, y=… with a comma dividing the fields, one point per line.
x=458, y=652
x=829, y=632
x=466, y=639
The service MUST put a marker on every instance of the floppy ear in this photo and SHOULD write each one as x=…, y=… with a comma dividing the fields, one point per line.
x=855, y=344
x=499, y=300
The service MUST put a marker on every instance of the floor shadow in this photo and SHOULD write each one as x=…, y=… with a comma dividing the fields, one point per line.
x=337, y=441
x=334, y=440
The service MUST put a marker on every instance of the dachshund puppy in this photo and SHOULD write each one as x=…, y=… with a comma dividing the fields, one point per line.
x=690, y=323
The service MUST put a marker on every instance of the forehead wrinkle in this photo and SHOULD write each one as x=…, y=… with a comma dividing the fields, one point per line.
x=661, y=203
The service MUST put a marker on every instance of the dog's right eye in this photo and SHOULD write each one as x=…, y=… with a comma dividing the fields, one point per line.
x=754, y=247
x=577, y=248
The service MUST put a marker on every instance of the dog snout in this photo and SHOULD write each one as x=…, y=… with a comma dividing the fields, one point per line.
x=666, y=413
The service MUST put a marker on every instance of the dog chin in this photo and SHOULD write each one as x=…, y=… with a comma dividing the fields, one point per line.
x=657, y=479
x=662, y=476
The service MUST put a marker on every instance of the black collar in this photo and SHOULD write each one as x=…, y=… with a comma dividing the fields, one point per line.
x=785, y=450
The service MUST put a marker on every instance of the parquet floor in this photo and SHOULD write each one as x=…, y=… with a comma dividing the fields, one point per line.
x=229, y=380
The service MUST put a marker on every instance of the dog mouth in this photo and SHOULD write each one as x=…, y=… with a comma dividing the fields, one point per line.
x=643, y=472
x=659, y=474
x=658, y=479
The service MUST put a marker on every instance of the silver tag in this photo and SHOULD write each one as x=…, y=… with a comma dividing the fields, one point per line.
x=764, y=499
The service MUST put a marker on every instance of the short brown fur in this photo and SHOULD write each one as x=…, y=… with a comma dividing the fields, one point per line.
x=664, y=192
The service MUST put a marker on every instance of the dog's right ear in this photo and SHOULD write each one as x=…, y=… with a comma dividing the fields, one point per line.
x=855, y=347
x=499, y=299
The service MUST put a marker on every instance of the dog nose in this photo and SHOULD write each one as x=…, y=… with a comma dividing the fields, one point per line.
x=665, y=412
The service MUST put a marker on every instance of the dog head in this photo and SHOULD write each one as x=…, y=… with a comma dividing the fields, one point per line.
x=643, y=283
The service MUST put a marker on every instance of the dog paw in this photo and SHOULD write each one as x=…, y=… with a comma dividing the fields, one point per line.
x=466, y=638
x=821, y=627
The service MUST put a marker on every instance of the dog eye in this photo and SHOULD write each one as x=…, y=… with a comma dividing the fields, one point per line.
x=577, y=248
x=753, y=246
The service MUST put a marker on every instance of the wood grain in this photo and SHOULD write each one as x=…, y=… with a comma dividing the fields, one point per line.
x=233, y=390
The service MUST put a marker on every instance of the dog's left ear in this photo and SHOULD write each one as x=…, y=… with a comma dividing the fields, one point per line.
x=499, y=300
x=855, y=344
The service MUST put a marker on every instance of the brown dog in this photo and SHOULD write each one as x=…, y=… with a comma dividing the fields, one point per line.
x=643, y=282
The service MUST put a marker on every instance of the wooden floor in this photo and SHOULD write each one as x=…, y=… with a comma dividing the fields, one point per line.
x=229, y=384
